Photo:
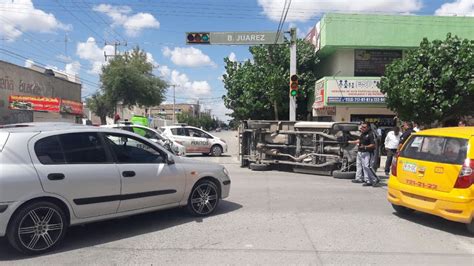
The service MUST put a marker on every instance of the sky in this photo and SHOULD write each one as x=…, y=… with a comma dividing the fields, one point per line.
x=73, y=35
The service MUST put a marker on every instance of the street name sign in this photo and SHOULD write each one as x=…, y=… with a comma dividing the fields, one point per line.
x=239, y=38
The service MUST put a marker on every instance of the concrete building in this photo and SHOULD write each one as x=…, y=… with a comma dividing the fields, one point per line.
x=354, y=50
x=37, y=95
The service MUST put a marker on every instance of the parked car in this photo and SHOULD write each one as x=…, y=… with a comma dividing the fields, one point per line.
x=55, y=175
x=196, y=140
x=433, y=173
x=152, y=135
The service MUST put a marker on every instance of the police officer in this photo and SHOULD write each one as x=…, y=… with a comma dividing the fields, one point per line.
x=365, y=153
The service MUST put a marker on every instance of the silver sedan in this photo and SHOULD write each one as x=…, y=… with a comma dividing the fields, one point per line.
x=57, y=175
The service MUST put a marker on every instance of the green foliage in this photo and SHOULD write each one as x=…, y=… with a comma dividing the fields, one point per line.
x=433, y=83
x=260, y=89
x=129, y=79
x=101, y=106
x=205, y=121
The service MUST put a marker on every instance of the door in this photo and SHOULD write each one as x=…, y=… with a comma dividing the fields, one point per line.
x=147, y=179
x=181, y=136
x=77, y=167
x=200, y=140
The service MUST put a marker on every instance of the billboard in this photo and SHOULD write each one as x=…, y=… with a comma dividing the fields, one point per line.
x=353, y=91
x=319, y=95
x=33, y=103
x=71, y=107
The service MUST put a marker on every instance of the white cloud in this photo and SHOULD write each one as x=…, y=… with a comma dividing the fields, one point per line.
x=232, y=57
x=73, y=68
x=456, y=8
x=304, y=10
x=13, y=24
x=188, y=57
x=184, y=85
x=89, y=51
x=133, y=24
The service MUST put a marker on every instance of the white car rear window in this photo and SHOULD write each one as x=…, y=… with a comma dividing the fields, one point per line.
x=3, y=139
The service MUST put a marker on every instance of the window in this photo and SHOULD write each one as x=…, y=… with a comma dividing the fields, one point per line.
x=436, y=149
x=48, y=151
x=198, y=133
x=179, y=131
x=83, y=148
x=131, y=150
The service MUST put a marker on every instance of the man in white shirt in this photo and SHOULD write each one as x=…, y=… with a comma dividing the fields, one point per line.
x=391, y=144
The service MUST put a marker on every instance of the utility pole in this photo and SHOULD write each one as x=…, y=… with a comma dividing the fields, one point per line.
x=116, y=45
x=292, y=71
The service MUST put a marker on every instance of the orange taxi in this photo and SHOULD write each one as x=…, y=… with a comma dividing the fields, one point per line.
x=434, y=173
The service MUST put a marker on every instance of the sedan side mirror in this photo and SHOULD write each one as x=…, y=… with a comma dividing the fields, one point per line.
x=170, y=159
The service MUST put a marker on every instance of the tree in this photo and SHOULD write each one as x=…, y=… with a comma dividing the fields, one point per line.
x=129, y=79
x=100, y=106
x=205, y=121
x=259, y=89
x=433, y=83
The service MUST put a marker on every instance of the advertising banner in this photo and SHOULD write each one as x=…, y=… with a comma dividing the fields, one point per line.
x=71, y=107
x=319, y=95
x=354, y=91
x=33, y=103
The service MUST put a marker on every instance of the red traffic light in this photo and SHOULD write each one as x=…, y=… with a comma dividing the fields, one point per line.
x=197, y=38
x=293, y=85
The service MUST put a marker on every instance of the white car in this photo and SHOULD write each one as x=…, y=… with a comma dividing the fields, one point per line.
x=54, y=176
x=152, y=135
x=196, y=140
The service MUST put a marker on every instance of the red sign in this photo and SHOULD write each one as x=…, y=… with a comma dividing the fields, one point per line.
x=33, y=103
x=71, y=107
x=319, y=95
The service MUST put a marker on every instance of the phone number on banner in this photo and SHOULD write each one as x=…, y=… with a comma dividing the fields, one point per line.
x=356, y=99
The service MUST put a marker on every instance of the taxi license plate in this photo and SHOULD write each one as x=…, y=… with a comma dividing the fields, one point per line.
x=409, y=167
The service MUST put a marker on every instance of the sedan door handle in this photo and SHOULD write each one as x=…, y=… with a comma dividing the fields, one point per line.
x=128, y=173
x=56, y=176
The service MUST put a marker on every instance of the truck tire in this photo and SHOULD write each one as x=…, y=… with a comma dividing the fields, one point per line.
x=258, y=167
x=343, y=175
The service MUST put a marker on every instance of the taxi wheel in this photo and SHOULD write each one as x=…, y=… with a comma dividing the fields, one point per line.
x=470, y=227
x=216, y=150
x=402, y=210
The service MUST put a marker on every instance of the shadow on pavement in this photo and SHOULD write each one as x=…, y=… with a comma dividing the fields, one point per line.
x=437, y=223
x=112, y=230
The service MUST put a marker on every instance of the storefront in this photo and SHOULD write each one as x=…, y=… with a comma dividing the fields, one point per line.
x=355, y=49
x=27, y=95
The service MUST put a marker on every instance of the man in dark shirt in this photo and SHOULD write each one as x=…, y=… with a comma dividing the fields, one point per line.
x=408, y=130
x=366, y=147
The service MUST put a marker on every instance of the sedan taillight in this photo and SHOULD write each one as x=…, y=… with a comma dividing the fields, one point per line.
x=466, y=175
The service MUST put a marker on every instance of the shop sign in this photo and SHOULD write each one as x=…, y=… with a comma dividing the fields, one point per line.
x=326, y=111
x=350, y=91
x=71, y=107
x=33, y=103
x=319, y=95
x=314, y=36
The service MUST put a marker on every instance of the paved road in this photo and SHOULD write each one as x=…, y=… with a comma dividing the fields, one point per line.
x=270, y=218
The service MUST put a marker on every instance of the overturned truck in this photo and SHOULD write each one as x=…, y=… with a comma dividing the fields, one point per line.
x=306, y=147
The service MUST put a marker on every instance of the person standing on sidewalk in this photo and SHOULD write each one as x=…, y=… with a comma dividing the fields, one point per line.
x=391, y=145
x=366, y=147
x=407, y=131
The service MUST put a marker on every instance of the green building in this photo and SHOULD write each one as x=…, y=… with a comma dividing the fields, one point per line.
x=354, y=50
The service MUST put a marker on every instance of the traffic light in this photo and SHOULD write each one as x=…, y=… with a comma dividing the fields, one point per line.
x=198, y=38
x=293, y=85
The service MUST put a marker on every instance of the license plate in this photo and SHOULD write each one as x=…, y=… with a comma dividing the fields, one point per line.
x=409, y=167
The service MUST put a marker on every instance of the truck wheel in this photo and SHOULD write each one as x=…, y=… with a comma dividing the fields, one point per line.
x=344, y=175
x=258, y=167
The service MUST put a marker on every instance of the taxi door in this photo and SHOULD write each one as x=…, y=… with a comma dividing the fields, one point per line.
x=200, y=141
